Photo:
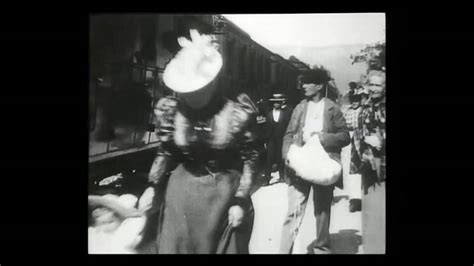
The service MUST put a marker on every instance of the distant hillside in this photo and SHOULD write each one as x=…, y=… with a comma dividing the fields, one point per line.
x=335, y=58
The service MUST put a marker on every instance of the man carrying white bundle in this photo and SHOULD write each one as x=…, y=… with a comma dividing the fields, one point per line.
x=311, y=148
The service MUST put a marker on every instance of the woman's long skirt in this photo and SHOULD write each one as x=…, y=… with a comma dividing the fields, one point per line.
x=195, y=215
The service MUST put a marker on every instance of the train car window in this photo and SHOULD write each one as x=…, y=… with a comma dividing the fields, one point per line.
x=267, y=71
x=229, y=58
x=281, y=74
x=130, y=110
x=236, y=59
x=244, y=65
x=121, y=86
x=283, y=78
x=102, y=93
x=258, y=68
x=275, y=74
x=242, y=62
x=148, y=37
x=255, y=66
x=251, y=65
x=92, y=105
x=278, y=76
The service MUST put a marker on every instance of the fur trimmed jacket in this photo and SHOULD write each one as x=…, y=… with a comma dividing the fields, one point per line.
x=334, y=136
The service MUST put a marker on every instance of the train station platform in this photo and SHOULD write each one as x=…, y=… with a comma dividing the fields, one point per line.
x=271, y=203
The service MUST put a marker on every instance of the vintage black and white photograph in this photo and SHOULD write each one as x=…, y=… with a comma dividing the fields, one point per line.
x=237, y=133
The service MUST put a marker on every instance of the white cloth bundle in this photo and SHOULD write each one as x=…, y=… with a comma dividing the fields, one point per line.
x=121, y=241
x=125, y=238
x=313, y=164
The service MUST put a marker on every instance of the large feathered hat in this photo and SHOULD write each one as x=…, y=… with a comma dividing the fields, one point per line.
x=313, y=164
x=195, y=65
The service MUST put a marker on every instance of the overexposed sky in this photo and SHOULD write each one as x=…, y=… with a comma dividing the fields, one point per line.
x=312, y=30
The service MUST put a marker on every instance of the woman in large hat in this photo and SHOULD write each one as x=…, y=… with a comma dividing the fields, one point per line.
x=209, y=141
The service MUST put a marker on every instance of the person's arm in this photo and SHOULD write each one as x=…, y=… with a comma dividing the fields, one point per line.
x=249, y=155
x=340, y=137
x=165, y=111
x=291, y=131
x=247, y=146
x=166, y=155
x=162, y=164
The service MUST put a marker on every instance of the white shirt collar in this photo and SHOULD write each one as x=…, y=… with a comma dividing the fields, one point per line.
x=276, y=114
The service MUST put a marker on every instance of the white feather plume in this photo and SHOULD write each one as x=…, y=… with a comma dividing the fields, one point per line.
x=195, y=65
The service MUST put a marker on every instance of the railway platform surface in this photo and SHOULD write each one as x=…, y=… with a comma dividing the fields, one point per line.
x=270, y=203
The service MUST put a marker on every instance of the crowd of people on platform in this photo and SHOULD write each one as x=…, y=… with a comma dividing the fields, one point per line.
x=210, y=153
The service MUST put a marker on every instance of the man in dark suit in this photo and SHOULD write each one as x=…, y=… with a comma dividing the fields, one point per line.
x=277, y=121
